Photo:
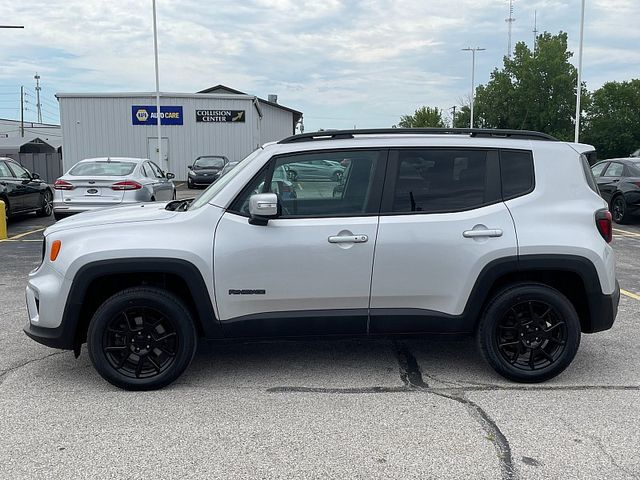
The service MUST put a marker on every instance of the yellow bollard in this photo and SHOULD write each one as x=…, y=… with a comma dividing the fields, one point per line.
x=3, y=221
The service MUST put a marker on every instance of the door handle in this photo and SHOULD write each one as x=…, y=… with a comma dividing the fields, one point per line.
x=348, y=239
x=491, y=232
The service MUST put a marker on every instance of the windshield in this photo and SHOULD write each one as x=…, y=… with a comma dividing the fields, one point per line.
x=217, y=186
x=209, y=162
x=102, y=169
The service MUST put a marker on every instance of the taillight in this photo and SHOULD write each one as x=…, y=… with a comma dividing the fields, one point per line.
x=63, y=185
x=603, y=222
x=126, y=185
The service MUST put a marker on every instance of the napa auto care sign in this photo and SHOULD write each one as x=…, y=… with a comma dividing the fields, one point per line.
x=146, y=115
x=220, y=116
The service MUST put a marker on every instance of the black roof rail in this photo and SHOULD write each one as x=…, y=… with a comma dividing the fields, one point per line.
x=472, y=132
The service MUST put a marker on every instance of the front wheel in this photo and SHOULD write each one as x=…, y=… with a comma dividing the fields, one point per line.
x=141, y=338
x=46, y=204
x=529, y=333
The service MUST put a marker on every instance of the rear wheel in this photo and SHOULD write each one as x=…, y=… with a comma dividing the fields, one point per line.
x=619, y=210
x=529, y=333
x=46, y=205
x=141, y=339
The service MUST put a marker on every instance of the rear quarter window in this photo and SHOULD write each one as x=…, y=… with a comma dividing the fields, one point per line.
x=517, y=175
x=588, y=173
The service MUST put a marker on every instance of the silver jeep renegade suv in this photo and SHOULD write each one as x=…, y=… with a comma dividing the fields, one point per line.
x=500, y=234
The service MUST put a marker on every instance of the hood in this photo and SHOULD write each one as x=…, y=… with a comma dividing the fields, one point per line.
x=206, y=169
x=142, y=212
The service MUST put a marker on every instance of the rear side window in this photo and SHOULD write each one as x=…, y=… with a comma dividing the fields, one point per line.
x=590, y=173
x=432, y=181
x=516, y=169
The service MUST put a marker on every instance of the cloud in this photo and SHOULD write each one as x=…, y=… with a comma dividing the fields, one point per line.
x=363, y=62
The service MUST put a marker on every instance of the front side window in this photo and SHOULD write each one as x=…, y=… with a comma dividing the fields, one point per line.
x=157, y=172
x=335, y=183
x=431, y=181
x=19, y=171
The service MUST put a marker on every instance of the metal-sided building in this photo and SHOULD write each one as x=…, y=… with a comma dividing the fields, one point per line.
x=215, y=121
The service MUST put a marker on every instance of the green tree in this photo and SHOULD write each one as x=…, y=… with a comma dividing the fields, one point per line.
x=612, y=121
x=423, y=117
x=462, y=117
x=533, y=91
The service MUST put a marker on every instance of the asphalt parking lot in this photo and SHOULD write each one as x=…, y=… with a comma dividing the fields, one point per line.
x=341, y=409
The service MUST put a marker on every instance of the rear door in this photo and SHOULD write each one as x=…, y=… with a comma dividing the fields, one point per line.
x=608, y=182
x=307, y=272
x=442, y=221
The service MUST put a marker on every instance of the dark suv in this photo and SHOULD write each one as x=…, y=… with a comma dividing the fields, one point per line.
x=22, y=191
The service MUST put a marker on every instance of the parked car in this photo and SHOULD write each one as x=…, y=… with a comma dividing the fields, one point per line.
x=619, y=182
x=227, y=168
x=471, y=232
x=22, y=191
x=96, y=183
x=316, y=170
x=205, y=170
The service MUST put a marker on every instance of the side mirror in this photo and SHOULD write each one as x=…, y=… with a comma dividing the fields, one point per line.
x=190, y=167
x=262, y=207
x=35, y=176
x=170, y=176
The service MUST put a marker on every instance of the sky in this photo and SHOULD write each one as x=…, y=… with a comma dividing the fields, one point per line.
x=342, y=63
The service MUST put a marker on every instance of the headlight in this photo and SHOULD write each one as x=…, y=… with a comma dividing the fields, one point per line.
x=191, y=172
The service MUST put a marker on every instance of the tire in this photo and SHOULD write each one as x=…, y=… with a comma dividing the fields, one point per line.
x=141, y=338
x=46, y=207
x=58, y=216
x=152, y=199
x=507, y=333
x=189, y=185
x=619, y=211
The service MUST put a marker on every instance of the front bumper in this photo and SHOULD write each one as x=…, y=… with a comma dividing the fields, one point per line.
x=603, y=310
x=45, y=297
x=203, y=179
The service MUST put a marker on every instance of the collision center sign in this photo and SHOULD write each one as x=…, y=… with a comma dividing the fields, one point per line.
x=220, y=116
x=146, y=115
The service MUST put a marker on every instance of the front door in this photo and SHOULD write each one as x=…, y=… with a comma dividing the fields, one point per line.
x=26, y=188
x=608, y=181
x=309, y=271
x=442, y=222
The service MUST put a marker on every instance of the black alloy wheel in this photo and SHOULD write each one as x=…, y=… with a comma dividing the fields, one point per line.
x=529, y=332
x=46, y=205
x=619, y=210
x=142, y=338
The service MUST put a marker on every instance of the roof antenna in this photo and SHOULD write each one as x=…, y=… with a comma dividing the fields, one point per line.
x=535, y=31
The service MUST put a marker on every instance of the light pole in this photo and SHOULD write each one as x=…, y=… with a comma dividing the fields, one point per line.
x=579, y=87
x=158, y=120
x=473, y=73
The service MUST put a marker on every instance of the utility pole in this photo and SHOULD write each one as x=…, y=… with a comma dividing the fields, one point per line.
x=473, y=79
x=579, y=87
x=21, y=111
x=453, y=116
x=510, y=21
x=38, y=106
x=535, y=31
x=159, y=121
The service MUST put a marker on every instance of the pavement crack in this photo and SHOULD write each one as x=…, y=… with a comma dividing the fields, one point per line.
x=411, y=375
x=9, y=370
